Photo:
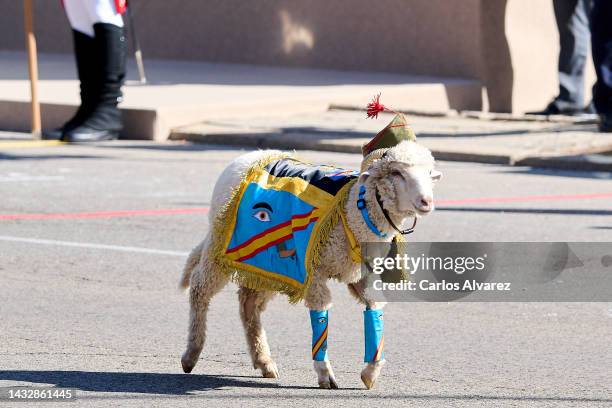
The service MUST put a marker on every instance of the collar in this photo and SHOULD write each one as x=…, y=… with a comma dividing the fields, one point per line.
x=361, y=205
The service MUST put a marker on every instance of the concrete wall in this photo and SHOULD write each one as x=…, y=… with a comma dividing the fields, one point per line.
x=463, y=38
x=534, y=46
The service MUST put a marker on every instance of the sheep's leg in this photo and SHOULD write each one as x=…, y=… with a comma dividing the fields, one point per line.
x=206, y=282
x=374, y=345
x=318, y=301
x=252, y=304
x=373, y=333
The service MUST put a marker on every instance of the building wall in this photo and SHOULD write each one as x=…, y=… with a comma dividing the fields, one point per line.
x=475, y=39
x=534, y=46
x=385, y=35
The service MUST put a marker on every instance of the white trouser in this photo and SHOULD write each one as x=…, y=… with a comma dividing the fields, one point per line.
x=83, y=14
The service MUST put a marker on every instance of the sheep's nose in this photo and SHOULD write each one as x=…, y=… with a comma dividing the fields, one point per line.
x=426, y=203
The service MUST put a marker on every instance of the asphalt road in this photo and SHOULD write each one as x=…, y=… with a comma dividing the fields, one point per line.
x=89, y=299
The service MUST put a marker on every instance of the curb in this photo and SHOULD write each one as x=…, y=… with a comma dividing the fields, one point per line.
x=301, y=141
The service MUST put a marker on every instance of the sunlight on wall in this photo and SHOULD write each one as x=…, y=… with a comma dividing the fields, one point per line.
x=295, y=35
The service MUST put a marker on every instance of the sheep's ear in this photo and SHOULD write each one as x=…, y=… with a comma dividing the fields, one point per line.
x=435, y=175
x=363, y=177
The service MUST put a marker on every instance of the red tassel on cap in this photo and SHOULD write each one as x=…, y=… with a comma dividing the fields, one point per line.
x=375, y=107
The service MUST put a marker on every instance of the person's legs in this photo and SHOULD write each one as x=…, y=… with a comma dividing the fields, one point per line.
x=572, y=18
x=573, y=23
x=104, y=121
x=601, y=26
x=84, y=52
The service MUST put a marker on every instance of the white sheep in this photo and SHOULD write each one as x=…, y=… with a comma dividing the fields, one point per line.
x=404, y=177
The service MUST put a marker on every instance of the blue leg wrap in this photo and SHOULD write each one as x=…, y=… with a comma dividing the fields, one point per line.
x=374, y=338
x=319, y=321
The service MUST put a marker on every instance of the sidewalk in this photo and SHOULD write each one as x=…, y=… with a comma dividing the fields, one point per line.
x=180, y=93
x=271, y=107
x=561, y=144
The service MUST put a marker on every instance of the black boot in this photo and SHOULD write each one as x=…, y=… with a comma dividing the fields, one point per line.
x=104, y=120
x=554, y=108
x=84, y=52
x=605, y=125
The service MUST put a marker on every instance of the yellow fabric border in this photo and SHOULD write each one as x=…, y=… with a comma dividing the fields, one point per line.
x=354, y=246
x=296, y=186
x=255, y=278
x=324, y=228
x=240, y=266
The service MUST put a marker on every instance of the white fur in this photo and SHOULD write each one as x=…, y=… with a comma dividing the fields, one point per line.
x=404, y=177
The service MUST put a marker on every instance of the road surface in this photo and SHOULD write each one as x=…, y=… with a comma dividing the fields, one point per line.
x=92, y=242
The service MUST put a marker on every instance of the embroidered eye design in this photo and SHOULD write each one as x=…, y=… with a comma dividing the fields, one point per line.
x=262, y=211
x=261, y=215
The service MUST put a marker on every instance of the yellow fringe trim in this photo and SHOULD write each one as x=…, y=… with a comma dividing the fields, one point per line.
x=251, y=279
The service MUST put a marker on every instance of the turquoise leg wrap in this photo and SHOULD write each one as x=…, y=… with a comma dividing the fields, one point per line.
x=374, y=338
x=318, y=320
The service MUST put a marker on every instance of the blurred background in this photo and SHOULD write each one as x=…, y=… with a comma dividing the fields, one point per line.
x=482, y=55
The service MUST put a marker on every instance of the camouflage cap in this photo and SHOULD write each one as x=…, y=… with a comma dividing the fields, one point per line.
x=396, y=131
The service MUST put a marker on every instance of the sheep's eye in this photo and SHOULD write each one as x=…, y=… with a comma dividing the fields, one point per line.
x=396, y=173
x=262, y=215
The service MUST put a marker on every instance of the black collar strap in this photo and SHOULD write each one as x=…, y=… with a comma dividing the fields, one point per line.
x=386, y=214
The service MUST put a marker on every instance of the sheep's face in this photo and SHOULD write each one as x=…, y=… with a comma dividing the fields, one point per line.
x=405, y=178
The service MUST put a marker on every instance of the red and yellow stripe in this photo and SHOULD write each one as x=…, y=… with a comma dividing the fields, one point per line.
x=319, y=343
x=379, y=350
x=272, y=236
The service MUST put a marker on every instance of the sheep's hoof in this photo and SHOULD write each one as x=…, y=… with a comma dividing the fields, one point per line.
x=328, y=385
x=368, y=382
x=370, y=373
x=187, y=367
x=188, y=362
x=269, y=369
x=325, y=374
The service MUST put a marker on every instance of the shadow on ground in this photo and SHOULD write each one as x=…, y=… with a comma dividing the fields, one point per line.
x=6, y=156
x=141, y=383
x=527, y=131
x=174, y=146
x=185, y=384
x=348, y=133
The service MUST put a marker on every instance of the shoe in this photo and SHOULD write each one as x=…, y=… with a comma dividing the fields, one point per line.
x=83, y=134
x=590, y=109
x=103, y=121
x=84, y=55
x=553, y=109
x=605, y=125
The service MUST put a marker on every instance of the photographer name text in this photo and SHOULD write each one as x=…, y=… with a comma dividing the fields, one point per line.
x=425, y=285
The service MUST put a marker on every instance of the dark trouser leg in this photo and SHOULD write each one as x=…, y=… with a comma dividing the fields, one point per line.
x=572, y=18
x=104, y=121
x=84, y=52
x=601, y=25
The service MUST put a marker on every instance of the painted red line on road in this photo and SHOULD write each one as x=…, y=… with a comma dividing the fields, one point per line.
x=104, y=214
x=199, y=210
x=524, y=199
